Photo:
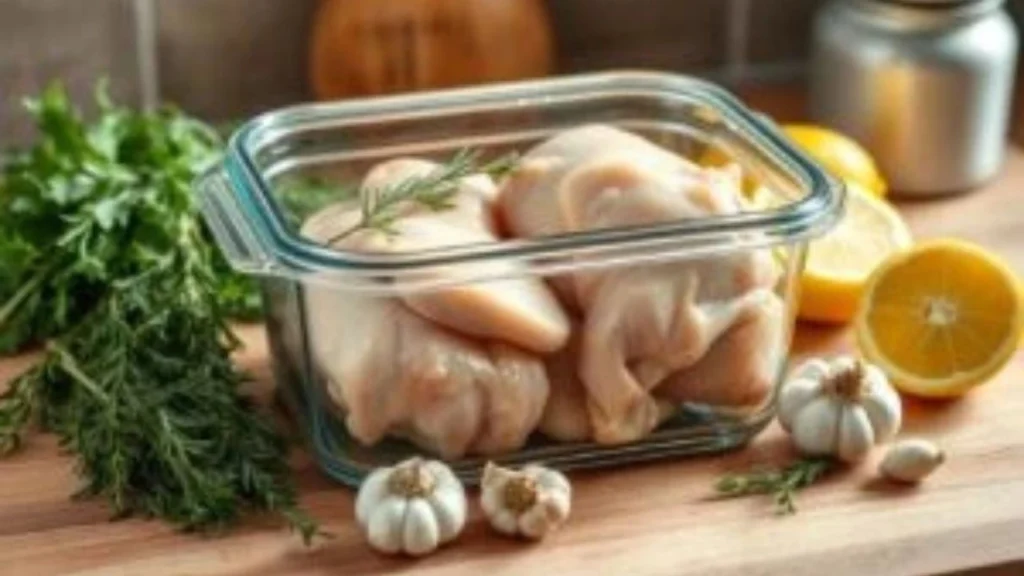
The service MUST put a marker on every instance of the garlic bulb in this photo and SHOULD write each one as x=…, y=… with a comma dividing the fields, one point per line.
x=911, y=460
x=413, y=507
x=840, y=408
x=531, y=502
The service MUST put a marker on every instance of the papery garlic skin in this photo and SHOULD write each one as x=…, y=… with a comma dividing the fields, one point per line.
x=530, y=503
x=411, y=508
x=841, y=408
x=911, y=460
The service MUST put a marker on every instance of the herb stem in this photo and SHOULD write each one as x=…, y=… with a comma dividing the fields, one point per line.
x=16, y=299
x=379, y=208
x=781, y=484
x=68, y=363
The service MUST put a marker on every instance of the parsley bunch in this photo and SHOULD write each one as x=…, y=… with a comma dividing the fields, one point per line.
x=105, y=259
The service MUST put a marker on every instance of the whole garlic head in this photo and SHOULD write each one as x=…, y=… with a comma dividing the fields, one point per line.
x=413, y=507
x=840, y=408
x=531, y=502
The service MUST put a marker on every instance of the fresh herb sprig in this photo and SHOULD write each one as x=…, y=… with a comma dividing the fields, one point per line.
x=781, y=484
x=380, y=208
x=93, y=203
x=106, y=260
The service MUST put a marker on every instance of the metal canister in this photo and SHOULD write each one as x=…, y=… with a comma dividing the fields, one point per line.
x=925, y=85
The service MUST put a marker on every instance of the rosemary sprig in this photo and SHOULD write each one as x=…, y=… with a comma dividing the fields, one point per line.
x=782, y=484
x=380, y=208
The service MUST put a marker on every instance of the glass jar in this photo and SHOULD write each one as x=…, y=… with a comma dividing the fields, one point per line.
x=924, y=85
x=325, y=305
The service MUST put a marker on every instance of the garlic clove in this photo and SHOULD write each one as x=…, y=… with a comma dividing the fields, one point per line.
x=384, y=529
x=449, y=505
x=794, y=396
x=535, y=523
x=813, y=369
x=841, y=364
x=856, y=437
x=443, y=474
x=505, y=521
x=816, y=431
x=883, y=404
x=372, y=490
x=911, y=460
x=549, y=479
x=421, y=534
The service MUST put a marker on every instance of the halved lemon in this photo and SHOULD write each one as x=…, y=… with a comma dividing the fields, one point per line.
x=941, y=318
x=840, y=262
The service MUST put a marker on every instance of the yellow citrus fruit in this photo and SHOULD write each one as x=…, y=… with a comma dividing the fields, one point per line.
x=840, y=262
x=941, y=318
x=839, y=154
x=715, y=158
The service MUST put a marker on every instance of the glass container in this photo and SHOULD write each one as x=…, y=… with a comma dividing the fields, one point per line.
x=285, y=165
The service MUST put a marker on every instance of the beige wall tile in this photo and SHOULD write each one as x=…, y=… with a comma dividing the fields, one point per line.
x=74, y=41
x=229, y=59
x=661, y=34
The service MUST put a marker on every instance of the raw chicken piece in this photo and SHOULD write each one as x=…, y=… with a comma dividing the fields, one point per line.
x=596, y=177
x=515, y=308
x=642, y=325
x=538, y=184
x=472, y=203
x=565, y=415
x=755, y=334
x=394, y=373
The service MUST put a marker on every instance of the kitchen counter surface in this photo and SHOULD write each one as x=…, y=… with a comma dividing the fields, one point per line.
x=657, y=518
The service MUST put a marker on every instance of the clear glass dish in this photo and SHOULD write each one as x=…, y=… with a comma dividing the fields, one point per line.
x=286, y=165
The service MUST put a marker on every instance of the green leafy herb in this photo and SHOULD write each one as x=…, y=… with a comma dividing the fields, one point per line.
x=782, y=485
x=105, y=258
x=91, y=203
x=379, y=208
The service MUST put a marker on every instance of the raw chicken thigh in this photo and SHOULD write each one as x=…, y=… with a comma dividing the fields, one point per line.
x=451, y=369
x=657, y=332
x=395, y=373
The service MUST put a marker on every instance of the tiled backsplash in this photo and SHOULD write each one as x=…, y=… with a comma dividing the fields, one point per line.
x=226, y=59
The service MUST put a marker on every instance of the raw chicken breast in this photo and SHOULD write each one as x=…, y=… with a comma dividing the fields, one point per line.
x=756, y=334
x=648, y=325
x=395, y=373
x=514, y=308
x=644, y=324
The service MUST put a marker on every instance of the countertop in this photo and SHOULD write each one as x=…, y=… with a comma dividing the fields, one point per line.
x=658, y=518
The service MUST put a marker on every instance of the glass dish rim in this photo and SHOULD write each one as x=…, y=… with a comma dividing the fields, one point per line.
x=810, y=216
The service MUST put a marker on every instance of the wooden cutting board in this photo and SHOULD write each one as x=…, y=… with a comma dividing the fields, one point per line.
x=658, y=518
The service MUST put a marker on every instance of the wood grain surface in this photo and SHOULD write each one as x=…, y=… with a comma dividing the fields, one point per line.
x=657, y=518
